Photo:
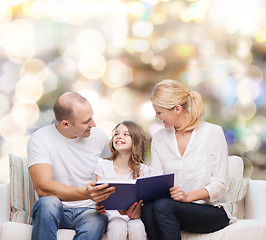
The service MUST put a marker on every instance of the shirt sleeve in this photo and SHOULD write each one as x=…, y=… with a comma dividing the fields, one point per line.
x=106, y=153
x=99, y=169
x=145, y=170
x=156, y=166
x=37, y=150
x=219, y=166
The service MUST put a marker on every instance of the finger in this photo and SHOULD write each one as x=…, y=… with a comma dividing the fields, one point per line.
x=100, y=196
x=122, y=212
x=132, y=207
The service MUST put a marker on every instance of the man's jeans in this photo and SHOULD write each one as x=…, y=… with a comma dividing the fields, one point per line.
x=165, y=218
x=49, y=215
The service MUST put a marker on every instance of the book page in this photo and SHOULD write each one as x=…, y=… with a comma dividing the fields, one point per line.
x=116, y=180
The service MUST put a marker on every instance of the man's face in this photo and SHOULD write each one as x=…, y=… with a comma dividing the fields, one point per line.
x=82, y=123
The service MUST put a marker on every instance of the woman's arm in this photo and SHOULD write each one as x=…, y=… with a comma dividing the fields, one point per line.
x=178, y=194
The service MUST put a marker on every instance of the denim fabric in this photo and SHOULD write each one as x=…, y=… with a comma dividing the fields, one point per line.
x=165, y=218
x=49, y=215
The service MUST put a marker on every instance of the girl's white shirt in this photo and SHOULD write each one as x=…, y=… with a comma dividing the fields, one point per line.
x=105, y=169
x=204, y=163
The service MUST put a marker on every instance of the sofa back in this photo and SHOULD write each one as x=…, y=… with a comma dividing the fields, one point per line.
x=235, y=167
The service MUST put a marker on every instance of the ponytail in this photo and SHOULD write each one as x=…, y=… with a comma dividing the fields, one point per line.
x=195, y=108
x=169, y=93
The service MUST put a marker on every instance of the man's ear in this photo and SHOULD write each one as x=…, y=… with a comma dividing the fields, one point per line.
x=178, y=109
x=64, y=123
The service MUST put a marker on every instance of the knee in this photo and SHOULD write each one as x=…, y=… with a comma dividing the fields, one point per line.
x=49, y=205
x=92, y=218
x=162, y=204
x=135, y=225
x=117, y=228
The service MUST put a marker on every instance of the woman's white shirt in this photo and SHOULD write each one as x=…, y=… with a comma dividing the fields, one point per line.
x=204, y=163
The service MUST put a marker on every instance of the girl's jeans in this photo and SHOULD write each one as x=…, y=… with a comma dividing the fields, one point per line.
x=48, y=216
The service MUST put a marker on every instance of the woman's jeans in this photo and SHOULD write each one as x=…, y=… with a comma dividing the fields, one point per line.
x=49, y=215
x=165, y=218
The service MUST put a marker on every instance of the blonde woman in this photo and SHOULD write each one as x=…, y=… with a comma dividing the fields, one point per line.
x=196, y=151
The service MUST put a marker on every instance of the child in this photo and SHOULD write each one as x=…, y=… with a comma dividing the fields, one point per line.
x=127, y=161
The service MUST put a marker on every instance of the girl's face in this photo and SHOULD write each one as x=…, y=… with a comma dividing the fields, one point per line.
x=122, y=140
x=168, y=117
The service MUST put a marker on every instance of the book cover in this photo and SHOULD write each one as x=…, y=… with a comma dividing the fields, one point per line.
x=129, y=191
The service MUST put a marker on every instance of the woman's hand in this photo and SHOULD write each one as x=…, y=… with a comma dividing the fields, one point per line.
x=134, y=211
x=100, y=209
x=178, y=194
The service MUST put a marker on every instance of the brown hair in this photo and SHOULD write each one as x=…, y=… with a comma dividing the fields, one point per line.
x=169, y=93
x=138, y=146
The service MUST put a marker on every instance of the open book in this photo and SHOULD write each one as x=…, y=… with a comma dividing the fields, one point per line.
x=128, y=191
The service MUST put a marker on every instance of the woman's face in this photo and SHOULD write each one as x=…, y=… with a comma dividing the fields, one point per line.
x=122, y=140
x=167, y=116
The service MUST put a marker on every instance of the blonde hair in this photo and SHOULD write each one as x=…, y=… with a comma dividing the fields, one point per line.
x=138, y=146
x=169, y=93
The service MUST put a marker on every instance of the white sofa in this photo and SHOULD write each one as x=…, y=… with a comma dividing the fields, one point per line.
x=251, y=210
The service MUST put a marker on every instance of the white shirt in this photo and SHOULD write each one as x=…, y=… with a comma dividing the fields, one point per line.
x=204, y=163
x=105, y=169
x=73, y=160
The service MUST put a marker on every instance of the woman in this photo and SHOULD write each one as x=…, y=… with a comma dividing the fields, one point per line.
x=196, y=151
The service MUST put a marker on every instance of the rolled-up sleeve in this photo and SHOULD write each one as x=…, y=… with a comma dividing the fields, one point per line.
x=219, y=166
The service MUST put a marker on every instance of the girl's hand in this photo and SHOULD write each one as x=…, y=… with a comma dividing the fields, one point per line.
x=100, y=209
x=178, y=194
x=134, y=211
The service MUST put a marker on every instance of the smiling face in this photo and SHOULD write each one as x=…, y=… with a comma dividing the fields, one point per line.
x=167, y=116
x=122, y=140
x=82, y=122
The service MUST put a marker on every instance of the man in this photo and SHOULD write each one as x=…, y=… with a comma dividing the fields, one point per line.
x=62, y=158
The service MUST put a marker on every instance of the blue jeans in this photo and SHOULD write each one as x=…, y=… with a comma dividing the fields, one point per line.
x=48, y=216
x=164, y=218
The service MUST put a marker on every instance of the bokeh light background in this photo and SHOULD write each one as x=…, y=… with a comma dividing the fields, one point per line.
x=113, y=52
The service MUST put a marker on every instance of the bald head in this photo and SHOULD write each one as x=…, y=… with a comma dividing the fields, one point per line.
x=64, y=106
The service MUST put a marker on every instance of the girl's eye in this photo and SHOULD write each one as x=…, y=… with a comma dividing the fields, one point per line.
x=158, y=113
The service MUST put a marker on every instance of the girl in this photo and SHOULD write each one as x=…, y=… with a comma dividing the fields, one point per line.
x=127, y=161
x=196, y=151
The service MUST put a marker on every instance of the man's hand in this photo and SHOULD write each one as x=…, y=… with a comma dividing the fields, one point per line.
x=100, y=192
x=134, y=211
x=100, y=209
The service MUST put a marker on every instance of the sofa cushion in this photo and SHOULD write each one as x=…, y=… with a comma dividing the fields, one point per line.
x=237, y=188
x=240, y=230
x=21, y=190
x=14, y=230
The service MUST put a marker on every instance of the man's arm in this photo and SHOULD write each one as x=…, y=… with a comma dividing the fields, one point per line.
x=42, y=178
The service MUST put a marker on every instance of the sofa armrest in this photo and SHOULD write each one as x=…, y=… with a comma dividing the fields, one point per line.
x=4, y=202
x=255, y=200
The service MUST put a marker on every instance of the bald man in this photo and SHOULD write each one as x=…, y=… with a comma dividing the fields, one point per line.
x=62, y=158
